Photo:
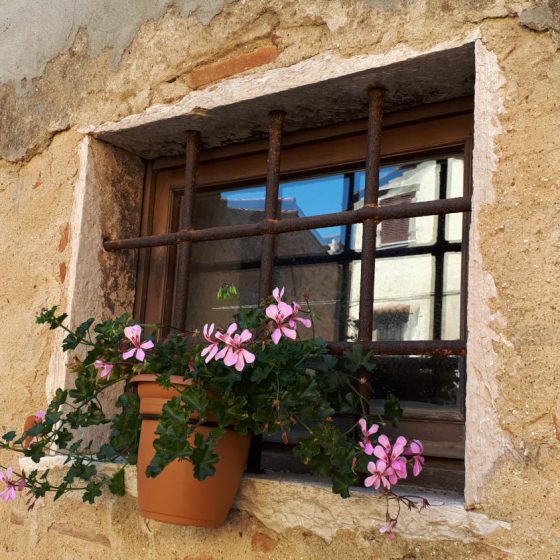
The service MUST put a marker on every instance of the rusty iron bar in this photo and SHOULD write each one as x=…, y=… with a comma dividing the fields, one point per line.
x=369, y=232
x=349, y=217
x=271, y=209
x=268, y=250
x=180, y=297
x=405, y=347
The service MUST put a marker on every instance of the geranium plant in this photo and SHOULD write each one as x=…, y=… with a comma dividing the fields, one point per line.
x=264, y=373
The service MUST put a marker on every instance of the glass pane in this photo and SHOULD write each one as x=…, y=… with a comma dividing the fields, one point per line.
x=325, y=286
x=227, y=207
x=418, y=380
x=313, y=242
x=408, y=182
x=312, y=197
x=404, y=298
x=451, y=311
x=214, y=264
x=454, y=222
x=235, y=261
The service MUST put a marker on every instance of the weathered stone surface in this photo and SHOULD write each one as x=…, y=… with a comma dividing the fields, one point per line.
x=82, y=84
x=308, y=92
x=539, y=18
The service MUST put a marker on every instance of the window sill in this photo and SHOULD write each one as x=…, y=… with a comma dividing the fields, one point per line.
x=285, y=501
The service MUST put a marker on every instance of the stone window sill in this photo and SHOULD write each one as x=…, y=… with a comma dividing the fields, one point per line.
x=284, y=501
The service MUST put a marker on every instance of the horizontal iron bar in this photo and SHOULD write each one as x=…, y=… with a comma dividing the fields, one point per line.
x=219, y=233
x=405, y=347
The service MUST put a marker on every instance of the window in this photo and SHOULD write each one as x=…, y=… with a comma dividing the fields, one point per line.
x=418, y=307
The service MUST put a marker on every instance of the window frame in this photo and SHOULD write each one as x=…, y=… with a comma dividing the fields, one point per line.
x=430, y=122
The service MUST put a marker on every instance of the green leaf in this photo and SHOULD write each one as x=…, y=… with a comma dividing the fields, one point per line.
x=49, y=317
x=357, y=358
x=93, y=490
x=203, y=457
x=61, y=490
x=9, y=436
x=116, y=483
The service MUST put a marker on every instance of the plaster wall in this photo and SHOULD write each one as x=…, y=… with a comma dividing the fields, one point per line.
x=90, y=70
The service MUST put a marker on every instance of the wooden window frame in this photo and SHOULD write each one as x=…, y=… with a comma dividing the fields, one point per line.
x=437, y=129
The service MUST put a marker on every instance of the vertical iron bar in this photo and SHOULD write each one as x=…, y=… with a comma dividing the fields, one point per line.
x=184, y=252
x=439, y=264
x=271, y=208
x=369, y=234
x=344, y=307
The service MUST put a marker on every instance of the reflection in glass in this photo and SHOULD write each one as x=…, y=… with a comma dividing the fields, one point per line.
x=418, y=379
x=215, y=263
x=451, y=325
x=404, y=298
x=312, y=197
x=418, y=263
x=324, y=285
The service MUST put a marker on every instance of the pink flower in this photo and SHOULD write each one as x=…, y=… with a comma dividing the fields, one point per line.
x=416, y=450
x=304, y=321
x=365, y=444
x=233, y=353
x=392, y=454
x=133, y=334
x=40, y=416
x=212, y=349
x=12, y=486
x=280, y=314
x=381, y=473
x=104, y=367
x=278, y=294
x=388, y=528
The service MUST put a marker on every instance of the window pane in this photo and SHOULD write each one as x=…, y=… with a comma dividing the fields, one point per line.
x=418, y=380
x=235, y=261
x=215, y=263
x=324, y=263
x=404, y=298
x=228, y=207
x=324, y=284
x=454, y=222
x=312, y=197
x=451, y=297
x=403, y=183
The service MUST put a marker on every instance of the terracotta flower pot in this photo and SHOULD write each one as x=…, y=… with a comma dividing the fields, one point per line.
x=175, y=495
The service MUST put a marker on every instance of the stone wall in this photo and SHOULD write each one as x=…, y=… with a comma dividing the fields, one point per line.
x=69, y=67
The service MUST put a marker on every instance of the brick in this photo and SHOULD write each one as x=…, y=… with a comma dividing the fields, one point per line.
x=260, y=542
x=226, y=67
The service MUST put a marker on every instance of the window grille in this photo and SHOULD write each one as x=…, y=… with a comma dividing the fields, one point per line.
x=394, y=217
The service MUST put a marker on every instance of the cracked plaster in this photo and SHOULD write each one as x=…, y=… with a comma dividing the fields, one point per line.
x=24, y=51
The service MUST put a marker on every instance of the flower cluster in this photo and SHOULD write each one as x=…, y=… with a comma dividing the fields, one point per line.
x=13, y=486
x=284, y=317
x=230, y=346
x=232, y=352
x=391, y=464
x=138, y=350
x=286, y=385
